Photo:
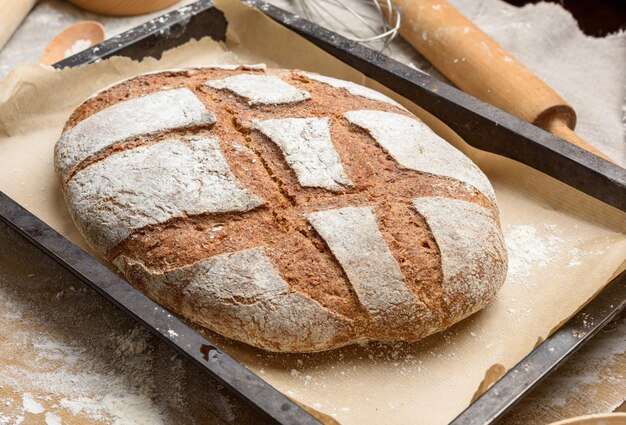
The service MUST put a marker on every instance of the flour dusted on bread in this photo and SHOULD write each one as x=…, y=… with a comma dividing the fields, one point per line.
x=415, y=146
x=291, y=211
x=308, y=149
x=153, y=184
x=154, y=113
x=260, y=89
x=242, y=295
x=353, y=237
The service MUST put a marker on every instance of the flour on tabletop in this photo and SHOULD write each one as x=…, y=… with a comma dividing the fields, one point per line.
x=583, y=375
x=135, y=342
x=52, y=419
x=120, y=409
x=72, y=354
x=107, y=397
x=30, y=405
x=111, y=382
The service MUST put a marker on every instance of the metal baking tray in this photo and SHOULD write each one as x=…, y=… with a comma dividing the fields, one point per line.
x=481, y=125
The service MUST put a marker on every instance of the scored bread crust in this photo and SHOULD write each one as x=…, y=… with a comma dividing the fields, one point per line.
x=290, y=211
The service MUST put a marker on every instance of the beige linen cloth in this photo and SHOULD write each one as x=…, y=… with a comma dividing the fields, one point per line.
x=564, y=246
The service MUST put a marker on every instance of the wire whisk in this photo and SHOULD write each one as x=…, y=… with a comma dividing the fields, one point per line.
x=378, y=21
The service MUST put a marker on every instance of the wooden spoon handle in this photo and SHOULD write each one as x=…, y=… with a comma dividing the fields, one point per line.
x=481, y=67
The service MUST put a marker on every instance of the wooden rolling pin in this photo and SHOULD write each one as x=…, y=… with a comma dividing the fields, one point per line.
x=12, y=13
x=481, y=67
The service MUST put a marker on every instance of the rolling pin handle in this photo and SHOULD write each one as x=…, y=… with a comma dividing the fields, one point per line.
x=560, y=128
x=481, y=67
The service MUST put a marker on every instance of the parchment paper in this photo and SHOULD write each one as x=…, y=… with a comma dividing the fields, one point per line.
x=564, y=245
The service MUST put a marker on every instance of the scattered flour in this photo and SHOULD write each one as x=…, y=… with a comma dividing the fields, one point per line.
x=575, y=259
x=107, y=397
x=81, y=360
x=52, y=419
x=127, y=409
x=134, y=342
x=78, y=46
x=528, y=249
x=303, y=377
x=107, y=379
x=533, y=247
x=30, y=405
x=582, y=377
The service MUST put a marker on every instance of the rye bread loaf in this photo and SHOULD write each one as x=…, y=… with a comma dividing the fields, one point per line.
x=284, y=209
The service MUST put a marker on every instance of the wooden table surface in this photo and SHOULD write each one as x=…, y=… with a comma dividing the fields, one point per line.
x=37, y=338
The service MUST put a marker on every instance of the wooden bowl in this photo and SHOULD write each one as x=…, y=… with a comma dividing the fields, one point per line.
x=601, y=419
x=63, y=41
x=123, y=7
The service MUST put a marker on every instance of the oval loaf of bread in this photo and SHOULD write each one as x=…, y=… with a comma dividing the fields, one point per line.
x=290, y=211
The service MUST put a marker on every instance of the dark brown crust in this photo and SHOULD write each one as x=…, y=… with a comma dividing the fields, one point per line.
x=299, y=254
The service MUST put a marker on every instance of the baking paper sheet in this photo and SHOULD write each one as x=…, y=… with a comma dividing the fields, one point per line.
x=564, y=246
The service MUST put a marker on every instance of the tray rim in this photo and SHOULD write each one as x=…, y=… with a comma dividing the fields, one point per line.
x=488, y=408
